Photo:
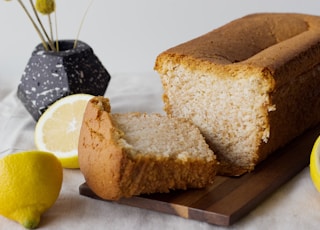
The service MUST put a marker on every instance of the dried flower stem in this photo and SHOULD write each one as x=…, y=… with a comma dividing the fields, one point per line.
x=56, y=25
x=81, y=24
x=34, y=25
x=47, y=7
x=42, y=27
x=50, y=25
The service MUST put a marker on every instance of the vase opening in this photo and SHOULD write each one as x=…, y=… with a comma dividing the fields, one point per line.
x=65, y=45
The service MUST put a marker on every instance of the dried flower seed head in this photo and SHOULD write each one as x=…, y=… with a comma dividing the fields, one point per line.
x=45, y=6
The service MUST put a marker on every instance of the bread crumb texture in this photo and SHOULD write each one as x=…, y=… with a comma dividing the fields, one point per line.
x=250, y=86
x=122, y=155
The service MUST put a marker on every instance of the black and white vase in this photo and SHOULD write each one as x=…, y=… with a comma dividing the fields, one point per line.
x=51, y=75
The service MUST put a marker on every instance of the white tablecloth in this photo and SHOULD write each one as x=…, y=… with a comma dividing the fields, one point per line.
x=296, y=205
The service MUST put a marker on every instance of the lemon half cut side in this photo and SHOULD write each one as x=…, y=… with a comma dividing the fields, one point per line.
x=315, y=164
x=58, y=128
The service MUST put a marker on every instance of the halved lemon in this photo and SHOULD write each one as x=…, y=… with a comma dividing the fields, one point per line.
x=58, y=128
x=315, y=164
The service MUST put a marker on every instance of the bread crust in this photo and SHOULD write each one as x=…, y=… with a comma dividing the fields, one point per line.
x=94, y=138
x=272, y=43
x=280, y=50
x=112, y=172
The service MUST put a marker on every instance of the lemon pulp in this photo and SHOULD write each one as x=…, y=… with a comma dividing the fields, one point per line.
x=58, y=128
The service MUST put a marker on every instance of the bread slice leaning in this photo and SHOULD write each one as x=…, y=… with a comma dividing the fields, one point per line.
x=122, y=155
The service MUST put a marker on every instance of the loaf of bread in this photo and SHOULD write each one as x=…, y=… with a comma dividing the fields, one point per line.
x=122, y=155
x=251, y=86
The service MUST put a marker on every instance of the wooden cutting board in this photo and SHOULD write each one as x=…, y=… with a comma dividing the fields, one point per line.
x=230, y=198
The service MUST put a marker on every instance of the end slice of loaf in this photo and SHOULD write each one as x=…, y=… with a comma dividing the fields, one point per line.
x=122, y=155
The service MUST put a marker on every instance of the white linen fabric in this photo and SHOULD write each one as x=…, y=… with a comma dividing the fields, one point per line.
x=296, y=205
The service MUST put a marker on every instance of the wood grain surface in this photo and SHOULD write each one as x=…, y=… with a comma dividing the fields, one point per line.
x=230, y=198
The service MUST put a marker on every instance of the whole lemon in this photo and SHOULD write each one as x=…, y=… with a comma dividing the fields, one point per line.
x=30, y=184
x=315, y=164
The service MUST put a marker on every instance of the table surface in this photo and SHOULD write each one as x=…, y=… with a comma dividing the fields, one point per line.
x=296, y=205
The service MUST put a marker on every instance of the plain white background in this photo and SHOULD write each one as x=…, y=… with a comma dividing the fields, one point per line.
x=127, y=35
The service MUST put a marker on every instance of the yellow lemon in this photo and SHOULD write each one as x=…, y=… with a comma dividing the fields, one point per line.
x=315, y=164
x=58, y=128
x=30, y=183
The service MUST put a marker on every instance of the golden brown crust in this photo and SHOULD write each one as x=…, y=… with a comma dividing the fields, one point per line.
x=148, y=174
x=257, y=43
x=283, y=49
x=98, y=138
x=112, y=172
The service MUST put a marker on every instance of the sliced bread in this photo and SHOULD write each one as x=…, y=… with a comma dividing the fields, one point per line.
x=122, y=155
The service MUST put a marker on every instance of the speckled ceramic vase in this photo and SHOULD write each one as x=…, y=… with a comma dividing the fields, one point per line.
x=50, y=76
